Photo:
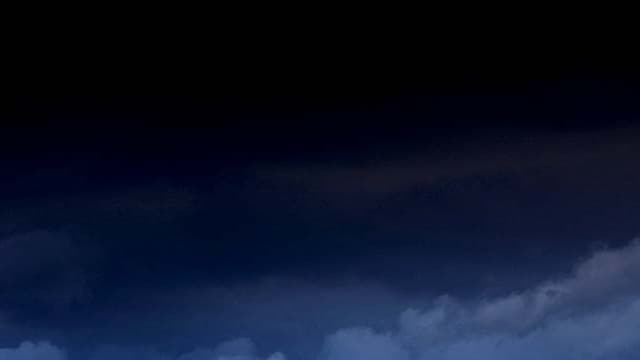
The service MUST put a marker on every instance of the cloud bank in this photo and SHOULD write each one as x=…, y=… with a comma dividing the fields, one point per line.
x=592, y=314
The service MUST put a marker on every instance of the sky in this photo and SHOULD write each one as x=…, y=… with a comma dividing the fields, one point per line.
x=462, y=220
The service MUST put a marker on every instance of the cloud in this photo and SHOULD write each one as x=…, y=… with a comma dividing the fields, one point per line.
x=592, y=314
x=33, y=351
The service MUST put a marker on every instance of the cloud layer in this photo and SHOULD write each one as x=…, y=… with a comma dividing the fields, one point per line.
x=592, y=314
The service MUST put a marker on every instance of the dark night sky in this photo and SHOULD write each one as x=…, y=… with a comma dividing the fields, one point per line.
x=147, y=227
